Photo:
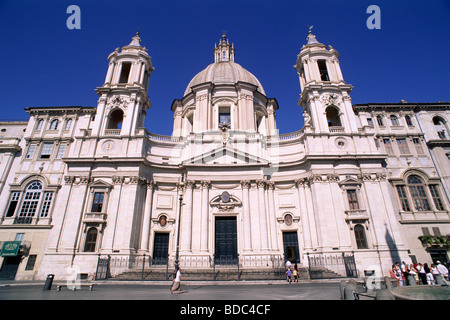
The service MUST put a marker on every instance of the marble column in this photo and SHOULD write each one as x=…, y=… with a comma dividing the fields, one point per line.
x=205, y=216
x=272, y=218
x=145, y=236
x=186, y=218
x=245, y=207
x=261, y=184
x=304, y=216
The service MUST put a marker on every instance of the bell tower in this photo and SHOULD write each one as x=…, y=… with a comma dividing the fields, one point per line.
x=123, y=99
x=325, y=96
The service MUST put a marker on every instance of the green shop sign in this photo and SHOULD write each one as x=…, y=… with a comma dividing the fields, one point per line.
x=10, y=248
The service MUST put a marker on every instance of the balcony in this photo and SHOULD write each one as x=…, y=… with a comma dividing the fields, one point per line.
x=358, y=214
x=96, y=217
x=335, y=129
x=112, y=132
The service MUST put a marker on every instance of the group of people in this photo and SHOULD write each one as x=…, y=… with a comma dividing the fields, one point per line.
x=418, y=273
x=292, y=275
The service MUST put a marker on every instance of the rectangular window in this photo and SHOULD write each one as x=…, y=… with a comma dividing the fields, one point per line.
x=419, y=197
x=31, y=262
x=124, y=74
x=418, y=145
x=48, y=196
x=370, y=122
x=224, y=117
x=31, y=150
x=29, y=205
x=403, y=146
x=19, y=237
x=323, y=70
x=388, y=146
x=401, y=191
x=352, y=200
x=436, y=197
x=61, y=151
x=46, y=150
x=97, y=203
x=13, y=204
x=436, y=231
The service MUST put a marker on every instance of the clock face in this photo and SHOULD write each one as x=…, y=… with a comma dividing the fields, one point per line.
x=108, y=146
x=225, y=197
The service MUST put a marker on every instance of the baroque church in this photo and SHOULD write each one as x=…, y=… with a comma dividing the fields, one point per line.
x=369, y=180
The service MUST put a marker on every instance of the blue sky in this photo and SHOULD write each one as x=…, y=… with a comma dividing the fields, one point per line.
x=43, y=63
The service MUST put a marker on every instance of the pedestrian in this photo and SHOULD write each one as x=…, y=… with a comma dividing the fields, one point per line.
x=295, y=273
x=176, y=283
x=435, y=272
x=405, y=272
x=288, y=265
x=422, y=274
x=442, y=270
x=413, y=272
x=430, y=278
x=398, y=275
x=289, y=275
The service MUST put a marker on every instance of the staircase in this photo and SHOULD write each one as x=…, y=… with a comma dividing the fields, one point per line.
x=229, y=273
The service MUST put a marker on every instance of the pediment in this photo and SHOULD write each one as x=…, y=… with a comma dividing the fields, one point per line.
x=350, y=181
x=100, y=184
x=225, y=155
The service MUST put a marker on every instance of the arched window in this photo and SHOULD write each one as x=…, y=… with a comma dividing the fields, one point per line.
x=333, y=117
x=440, y=127
x=35, y=203
x=31, y=200
x=39, y=124
x=394, y=120
x=115, y=119
x=408, y=121
x=416, y=187
x=91, y=240
x=68, y=124
x=380, y=121
x=360, y=236
x=54, y=124
x=423, y=194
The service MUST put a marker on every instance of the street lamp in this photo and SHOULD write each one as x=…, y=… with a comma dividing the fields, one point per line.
x=181, y=185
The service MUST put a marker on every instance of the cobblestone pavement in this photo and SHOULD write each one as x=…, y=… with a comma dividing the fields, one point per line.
x=161, y=291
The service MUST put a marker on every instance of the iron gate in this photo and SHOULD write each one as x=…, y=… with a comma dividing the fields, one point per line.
x=103, y=268
x=329, y=266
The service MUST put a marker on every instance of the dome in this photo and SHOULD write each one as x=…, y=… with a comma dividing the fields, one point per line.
x=224, y=73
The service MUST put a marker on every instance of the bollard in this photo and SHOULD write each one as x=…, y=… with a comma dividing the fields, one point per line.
x=349, y=289
x=49, y=282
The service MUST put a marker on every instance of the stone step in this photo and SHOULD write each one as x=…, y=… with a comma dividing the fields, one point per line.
x=229, y=273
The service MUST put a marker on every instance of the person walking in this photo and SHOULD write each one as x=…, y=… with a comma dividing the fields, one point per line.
x=176, y=284
x=289, y=275
x=295, y=273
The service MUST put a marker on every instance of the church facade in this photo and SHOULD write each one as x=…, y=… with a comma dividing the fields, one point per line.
x=370, y=180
